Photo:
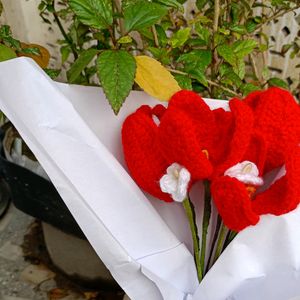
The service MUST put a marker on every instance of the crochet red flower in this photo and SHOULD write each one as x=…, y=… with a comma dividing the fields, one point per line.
x=151, y=148
x=141, y=151
x=222, y=136
x=239, y=207
x=274, y=143
x=277, y=118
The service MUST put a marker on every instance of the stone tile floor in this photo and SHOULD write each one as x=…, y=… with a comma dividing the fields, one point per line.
x=23, y=279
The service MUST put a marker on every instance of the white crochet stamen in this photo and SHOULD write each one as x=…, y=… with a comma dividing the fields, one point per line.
x=176, y=182
x=246, y=172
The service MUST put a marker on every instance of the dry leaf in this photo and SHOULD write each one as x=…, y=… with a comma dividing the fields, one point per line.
x=155, y=79
x=42, y=60
x=91, y=295
x=57, y=293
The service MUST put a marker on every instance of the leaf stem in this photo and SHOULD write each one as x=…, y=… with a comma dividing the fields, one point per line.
x=154, y=32
x=190, y=213
x=118, y=7
x=205, y=223
x=254, y=67
x=63, y=32
x=112, y=35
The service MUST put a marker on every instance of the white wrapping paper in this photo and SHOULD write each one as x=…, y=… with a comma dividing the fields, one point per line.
x=145, y=243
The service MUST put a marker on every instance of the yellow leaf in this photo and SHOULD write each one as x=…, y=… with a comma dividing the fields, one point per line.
x=42, y=59
x=155, y=79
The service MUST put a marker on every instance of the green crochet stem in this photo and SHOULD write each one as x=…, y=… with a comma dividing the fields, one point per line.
x=205, y=223
x=190, y=212
x=214, y=241
x=220, y=243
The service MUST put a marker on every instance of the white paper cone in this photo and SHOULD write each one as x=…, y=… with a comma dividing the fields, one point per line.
x=145, y=243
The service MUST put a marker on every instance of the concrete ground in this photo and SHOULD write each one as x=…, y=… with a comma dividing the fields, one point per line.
x=24, y=274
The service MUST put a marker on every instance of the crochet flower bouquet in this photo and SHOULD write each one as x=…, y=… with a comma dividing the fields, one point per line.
x=248, y=159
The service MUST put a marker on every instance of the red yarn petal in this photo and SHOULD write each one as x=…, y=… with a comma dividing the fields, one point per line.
x=257, y=151
x=233, y=203
x=283, y=195
x=232, y=137
x=179, y=143
x=144, y=160
x=199, y=113
x=277, y=118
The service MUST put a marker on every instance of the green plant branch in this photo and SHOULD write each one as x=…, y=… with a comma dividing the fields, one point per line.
x=276, y=16
x=214, y=50
x=112, y=35
x=153, y=30
x=190, y=213
x=209, y=82
x=254, y=67
x=118, y=7
x=63, y=32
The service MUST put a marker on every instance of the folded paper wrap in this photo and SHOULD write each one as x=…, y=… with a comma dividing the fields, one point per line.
x=145, y=243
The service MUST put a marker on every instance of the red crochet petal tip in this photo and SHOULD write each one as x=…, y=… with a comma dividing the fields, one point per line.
x=159, y=110
x=233, y=203
x=277, y=118
x=257, y=151
x=232, y=137
x=144, y=160
x=196, y=108
x=179, y=142
x=283, y=195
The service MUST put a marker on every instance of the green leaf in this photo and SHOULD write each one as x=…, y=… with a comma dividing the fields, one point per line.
x=65, y=51
x=79, y=65
x=244, y=47
x=234, y=54
x=202, y=32
x=227, y=53
x=32, y=51
x=200, y=19
x=142, y=14
x=161, y=34
x=179, y=38
x=94, y=13
x=184, y=81
x=238, y=28
x=250, y=25
x=278, y=82
x=227, y=73
x=160, y=54
x=125, y=39
x=196, y=59
x=196, y=42
x=200, y=76
x=170, y=3
x=6, y=53
x=6, y=36
x=247, y=88
x=52, y=73
x=240, y=68
x=201, y=3
x=116, y=71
